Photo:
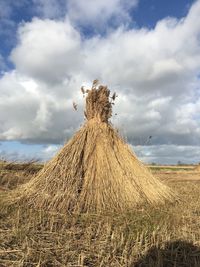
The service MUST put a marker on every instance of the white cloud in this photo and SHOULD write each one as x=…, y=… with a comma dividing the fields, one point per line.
x=29, y=113
x=48, y=50
x=155, y=72
x=49, y=151
x=50, y=8
x=98, y=13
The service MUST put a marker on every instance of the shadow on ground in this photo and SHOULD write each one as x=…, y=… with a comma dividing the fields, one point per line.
x=172, y=254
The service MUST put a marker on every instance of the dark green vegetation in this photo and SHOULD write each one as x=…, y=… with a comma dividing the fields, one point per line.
x=162, y=236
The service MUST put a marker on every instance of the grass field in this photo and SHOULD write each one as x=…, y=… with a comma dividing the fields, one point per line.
x=162, y=236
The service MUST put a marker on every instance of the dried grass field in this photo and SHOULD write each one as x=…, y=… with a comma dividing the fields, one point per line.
x=161, y=236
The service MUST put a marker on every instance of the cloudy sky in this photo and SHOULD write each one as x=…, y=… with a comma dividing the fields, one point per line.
x=148, y=51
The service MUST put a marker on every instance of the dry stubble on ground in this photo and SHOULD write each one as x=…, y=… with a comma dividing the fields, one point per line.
x=162, y=236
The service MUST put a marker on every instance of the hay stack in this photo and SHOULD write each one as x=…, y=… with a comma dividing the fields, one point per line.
x=95, y=171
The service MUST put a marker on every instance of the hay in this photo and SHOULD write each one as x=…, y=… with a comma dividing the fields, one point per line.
x=98, y=105
x=197, y=168
x=95, y=171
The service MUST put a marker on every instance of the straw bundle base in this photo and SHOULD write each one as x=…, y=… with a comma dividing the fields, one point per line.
x=95, y=171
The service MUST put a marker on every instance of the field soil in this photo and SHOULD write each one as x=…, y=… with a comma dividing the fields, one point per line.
x=159, y=236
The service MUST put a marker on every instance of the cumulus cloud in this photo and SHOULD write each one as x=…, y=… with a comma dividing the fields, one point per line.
x=99, y=13
x=51, y=9
x=48, y=50
x=154, y=71
x=96, y=15
x=30, y=114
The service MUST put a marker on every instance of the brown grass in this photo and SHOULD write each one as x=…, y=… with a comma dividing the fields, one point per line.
x=147, y=237
x=13, y=174
x=95, y=171
x=197, y=168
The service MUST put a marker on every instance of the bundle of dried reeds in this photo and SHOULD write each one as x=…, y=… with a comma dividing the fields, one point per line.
x=95, y=171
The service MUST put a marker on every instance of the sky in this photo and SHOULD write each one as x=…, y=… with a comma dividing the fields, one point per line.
x=148, y=51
